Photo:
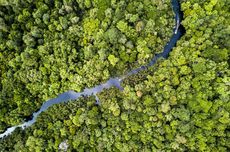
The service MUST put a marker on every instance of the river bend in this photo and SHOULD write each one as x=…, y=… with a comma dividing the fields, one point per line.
x=178, y=31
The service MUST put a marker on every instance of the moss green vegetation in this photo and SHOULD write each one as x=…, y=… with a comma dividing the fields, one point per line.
x=49, y=47
x=180, y=104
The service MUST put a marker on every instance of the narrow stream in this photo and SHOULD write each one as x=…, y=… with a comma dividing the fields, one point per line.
x=112, y=82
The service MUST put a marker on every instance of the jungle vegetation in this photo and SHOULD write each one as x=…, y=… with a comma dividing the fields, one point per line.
x=49, y=47
x=182, y=103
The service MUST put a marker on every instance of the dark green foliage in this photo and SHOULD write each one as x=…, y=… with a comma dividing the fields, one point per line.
x=179, y=104
x=48, y=47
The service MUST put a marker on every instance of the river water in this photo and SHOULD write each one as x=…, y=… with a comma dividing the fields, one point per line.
x=112, y=82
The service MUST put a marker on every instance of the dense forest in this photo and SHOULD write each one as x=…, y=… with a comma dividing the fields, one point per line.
x=48, y=48
x=181, y=103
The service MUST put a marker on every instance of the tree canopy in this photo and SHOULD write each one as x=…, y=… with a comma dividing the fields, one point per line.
x=179, y=104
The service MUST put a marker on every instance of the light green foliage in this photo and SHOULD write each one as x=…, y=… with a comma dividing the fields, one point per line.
x=112, y=35
x=48, y=47
x=179, y=104
x=113, y=60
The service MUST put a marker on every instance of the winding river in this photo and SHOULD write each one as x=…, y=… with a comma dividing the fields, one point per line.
x=112, y=82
